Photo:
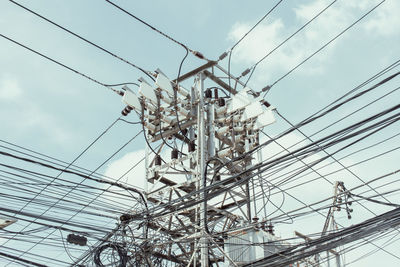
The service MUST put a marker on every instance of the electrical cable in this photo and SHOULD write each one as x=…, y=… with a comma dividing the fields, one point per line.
x=112, y=183
x=60, y=64
x=252, y=68
x=268, y=88
x=21, y=259
x=60, y=169
x=196, y=53
x=241, y=39
x=149, y=74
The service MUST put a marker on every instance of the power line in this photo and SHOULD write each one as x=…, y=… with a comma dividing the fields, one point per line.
x=377, y=224
x=241, y=39
x=60, y=64
x=21, y=259
x=110, y=183
x=62, y=170
x=255, y=25
x=252, y=68
x=267, y=88
x=196, y=53
x=149, y=74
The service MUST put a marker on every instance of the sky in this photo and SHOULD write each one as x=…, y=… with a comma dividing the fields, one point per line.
x=52, y=110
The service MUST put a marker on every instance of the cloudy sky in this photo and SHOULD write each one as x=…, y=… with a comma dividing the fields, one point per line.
x=52, y=110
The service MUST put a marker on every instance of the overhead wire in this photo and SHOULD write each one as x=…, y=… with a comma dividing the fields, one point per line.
x=253, y=67
x=148, y=73
x=60, y=64
x=268, y=87
x=243, y=37
x=196, y=53
x=101, y=181
x=52, y=160
x=262, y=167
x=62, y=170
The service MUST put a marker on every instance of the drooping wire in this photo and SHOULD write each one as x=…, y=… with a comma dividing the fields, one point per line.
x=149, y=74
x=61, y=64
x=62, y=170
x=196, y=53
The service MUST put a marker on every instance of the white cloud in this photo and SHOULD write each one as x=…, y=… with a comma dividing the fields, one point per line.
x=263, y=38
x=266, y=36
x=18, y=104
x=9, y=88
x=119, y=167
x=386, y=20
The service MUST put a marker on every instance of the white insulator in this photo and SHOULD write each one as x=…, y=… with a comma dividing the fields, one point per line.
x=150, y=126
x=224, y=152
x=183, y=91
x=167, y=99
x=220, y=111
x=238, y=128
x=252, y=111
x=131, y=99
x=150, y=117
x=236, y=118
x=183, y=111
x=222, y=130
x=239, y=101
x=221, y=120
x=184, y=101
x=264, y=119
x=147, y=91
x=150, y=107
x=169, y=119
x=164, y=83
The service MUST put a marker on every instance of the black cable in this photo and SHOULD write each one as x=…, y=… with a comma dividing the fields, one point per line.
x=112, y=183
x=62, y=170
x=130, y=122
x=87, y=41
x=54, y=160
x=264, y=166
x=259, y=21
x=22, y=259
x=376, y=201
x=60, y=64
x=196, y=53
x=252, y=68
x=176, y=96
x=119, y=84
x=244, y=36
x=321, y=48
x=65, y=171
x=123, y=258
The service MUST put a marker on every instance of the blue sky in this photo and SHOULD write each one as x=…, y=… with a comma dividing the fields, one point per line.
x=51, y=110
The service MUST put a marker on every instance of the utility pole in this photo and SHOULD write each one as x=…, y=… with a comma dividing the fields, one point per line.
x=203, y=151
x=198, y=144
